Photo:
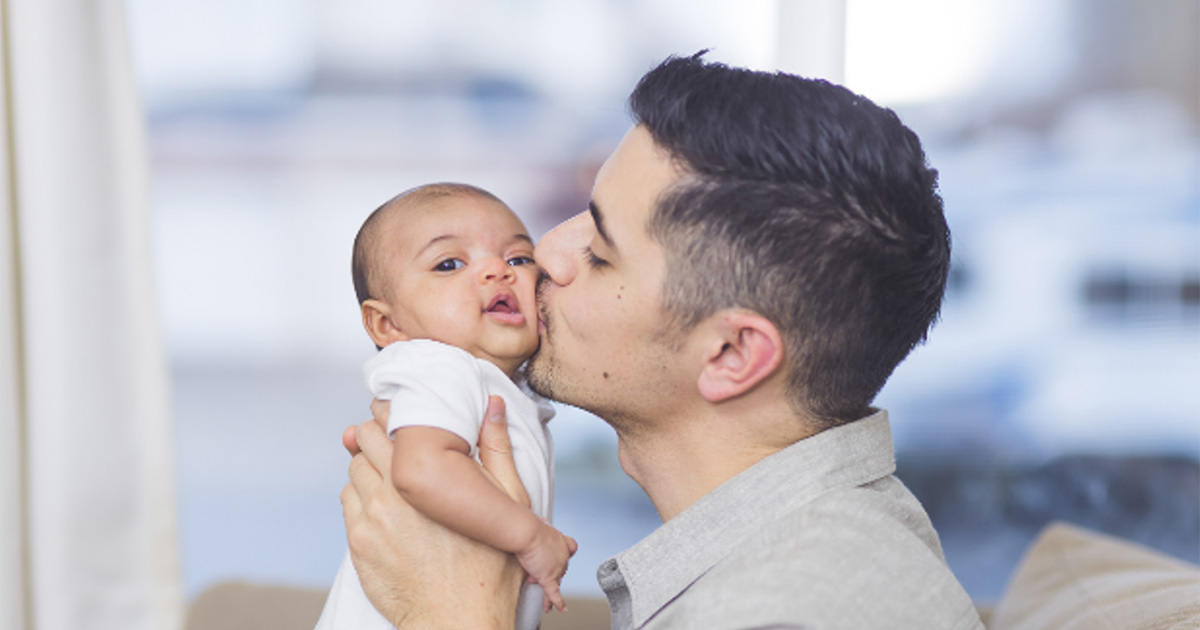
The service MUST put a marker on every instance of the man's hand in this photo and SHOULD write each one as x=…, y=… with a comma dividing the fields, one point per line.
x=379, y=409
x=416, y=572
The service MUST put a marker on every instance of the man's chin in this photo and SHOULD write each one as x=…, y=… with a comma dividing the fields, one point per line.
x=539, y=376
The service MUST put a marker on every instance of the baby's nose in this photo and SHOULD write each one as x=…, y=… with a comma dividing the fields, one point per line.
x=495, y=269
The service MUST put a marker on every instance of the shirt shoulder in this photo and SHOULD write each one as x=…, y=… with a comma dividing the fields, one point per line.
x=854, y=558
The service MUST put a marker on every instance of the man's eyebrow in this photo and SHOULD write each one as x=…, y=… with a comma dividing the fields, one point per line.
x=598, y=220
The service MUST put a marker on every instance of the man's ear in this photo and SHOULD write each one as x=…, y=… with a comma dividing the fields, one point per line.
x=377, y=319
x=743, y=350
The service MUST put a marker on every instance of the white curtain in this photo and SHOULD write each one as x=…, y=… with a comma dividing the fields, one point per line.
x=87, y=510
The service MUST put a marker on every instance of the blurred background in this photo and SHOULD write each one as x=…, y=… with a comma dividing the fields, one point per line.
x=1063, y=380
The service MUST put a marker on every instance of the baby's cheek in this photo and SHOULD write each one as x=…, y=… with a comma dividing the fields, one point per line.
x=455, y=319
x=529, y=273
x=458, y=315
x=527, y=286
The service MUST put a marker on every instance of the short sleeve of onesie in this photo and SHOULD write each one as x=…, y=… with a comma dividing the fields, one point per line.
x=429, y=384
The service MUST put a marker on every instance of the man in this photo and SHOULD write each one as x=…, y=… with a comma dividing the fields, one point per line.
x=759, y=254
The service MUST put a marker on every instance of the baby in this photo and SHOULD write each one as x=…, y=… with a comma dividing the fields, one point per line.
x=445, y=277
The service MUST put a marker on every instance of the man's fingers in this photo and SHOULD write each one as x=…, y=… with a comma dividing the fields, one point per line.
x=495, y=450
x=351, y=502
x=375, y=446
x=350, y=441
x=363, y=479
x=380, y=409
x=572, y=546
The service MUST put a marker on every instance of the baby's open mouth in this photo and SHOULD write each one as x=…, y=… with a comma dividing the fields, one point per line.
x=504, y=308
x=501, y=303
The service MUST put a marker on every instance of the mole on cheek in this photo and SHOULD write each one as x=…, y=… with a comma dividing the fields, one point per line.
x=605, y=374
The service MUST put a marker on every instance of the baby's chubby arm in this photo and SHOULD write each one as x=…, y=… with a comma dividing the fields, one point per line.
x=433, y=471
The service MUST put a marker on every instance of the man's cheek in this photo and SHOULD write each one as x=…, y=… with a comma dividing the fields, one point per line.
x=584, y=320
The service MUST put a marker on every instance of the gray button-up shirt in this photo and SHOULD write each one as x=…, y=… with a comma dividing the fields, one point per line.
x=818, y=535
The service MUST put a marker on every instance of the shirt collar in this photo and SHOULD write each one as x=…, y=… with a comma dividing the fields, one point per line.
x=662, y=565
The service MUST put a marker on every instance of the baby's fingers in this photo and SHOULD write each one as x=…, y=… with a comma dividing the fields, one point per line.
x=553, y=595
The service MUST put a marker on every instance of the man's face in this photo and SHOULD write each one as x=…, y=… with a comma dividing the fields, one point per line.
x=460, y=270
x=605, y=344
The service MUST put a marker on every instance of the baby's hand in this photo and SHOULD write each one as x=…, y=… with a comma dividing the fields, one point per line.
x=545, y=559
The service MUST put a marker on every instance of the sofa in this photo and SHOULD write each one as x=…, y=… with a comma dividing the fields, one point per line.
x=1069, y=578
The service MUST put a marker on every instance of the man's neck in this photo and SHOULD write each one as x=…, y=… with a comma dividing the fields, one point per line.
x=684, y=461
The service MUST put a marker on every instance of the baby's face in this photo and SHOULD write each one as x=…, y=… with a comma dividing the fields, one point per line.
x=460, y=270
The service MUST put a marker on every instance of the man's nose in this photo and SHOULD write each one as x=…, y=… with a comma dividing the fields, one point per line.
x=559, y=251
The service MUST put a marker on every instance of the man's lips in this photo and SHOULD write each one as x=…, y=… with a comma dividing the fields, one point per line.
x=503, y=307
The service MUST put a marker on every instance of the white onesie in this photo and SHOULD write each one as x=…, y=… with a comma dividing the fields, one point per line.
x=438, y=385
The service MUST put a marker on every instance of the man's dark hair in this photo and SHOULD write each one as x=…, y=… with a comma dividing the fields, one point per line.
x=805, y=203
x=363, y=265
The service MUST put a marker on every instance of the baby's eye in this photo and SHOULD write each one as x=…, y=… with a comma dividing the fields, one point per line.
x=450, y=264
x=517, y=261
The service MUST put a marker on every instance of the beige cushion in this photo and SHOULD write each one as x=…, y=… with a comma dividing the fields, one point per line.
x=583, y=613
x=248, y=606
x=1074, y=579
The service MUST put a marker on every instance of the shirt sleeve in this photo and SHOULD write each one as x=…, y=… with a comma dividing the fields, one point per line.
x=429, y=384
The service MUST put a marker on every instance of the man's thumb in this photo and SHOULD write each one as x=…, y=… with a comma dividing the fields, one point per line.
x=495, y=450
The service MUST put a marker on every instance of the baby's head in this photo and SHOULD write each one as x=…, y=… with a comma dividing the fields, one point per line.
x=452, y=263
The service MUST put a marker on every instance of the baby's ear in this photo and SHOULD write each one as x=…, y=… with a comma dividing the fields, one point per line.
x=377, y=320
